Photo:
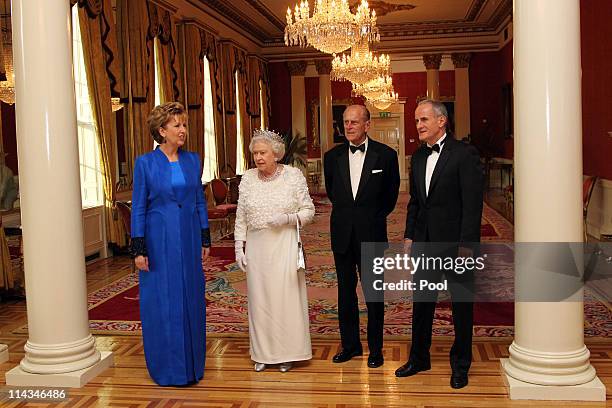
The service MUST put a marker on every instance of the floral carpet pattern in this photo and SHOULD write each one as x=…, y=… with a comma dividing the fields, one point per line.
x=114, y=308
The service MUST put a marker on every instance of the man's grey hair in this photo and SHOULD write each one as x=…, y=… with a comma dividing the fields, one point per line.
x=438, y=107
x=272, y=139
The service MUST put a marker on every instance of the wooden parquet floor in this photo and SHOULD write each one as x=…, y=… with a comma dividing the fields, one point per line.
x=230, y=381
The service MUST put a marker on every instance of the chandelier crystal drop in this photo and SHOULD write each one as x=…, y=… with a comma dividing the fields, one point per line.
x=384, y=101
x=375, y=88
x=332, y=28
x=361, y=66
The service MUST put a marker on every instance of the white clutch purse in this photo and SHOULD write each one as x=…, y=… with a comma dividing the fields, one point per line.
x=301, y=256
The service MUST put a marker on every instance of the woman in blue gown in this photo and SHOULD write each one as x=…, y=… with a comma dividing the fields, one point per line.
x=170, y=241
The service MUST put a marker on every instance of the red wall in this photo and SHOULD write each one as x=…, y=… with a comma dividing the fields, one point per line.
x=596, y=31
x=486, y=81
x=280, y=95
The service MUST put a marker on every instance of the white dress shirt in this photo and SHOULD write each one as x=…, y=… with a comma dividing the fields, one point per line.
x=431, y=163
x=356, y=166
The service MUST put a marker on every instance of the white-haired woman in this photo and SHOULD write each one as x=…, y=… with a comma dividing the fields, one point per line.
x=273, y=200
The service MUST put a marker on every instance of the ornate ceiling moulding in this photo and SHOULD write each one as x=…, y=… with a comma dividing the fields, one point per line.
x=475, y=10
x=236, y=18
x=267, y=14
x=383, y=8
x=165, y=4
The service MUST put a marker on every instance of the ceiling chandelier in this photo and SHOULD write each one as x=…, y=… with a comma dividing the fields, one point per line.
x=332, y=28
x=361, y=66
x=374, y=88
x=7, y=85
x=385, y=100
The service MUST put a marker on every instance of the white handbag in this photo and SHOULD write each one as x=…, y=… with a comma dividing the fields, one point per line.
x=301, y=256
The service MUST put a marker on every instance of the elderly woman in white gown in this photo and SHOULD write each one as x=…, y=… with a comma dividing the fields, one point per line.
x=273, y=200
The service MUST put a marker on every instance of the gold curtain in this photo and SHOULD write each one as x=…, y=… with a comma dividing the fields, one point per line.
x=99, y=50
x=265, y=87
x=138, y=75
x=244, y=93
x=228, y=67
x=253, y=85
x=211, y=47
x=194, y=71
x=161, y=26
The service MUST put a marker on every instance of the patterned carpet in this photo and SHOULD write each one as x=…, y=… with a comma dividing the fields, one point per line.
x=114, y=308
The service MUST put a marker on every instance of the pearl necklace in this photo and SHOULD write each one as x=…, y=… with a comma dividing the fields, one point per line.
x=271, y=177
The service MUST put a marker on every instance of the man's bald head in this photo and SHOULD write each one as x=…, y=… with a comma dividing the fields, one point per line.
x=360, y=108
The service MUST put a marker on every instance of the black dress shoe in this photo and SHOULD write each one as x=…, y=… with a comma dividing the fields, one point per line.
x=375, y=360
x=345, y=355
x=458, y=380
x=409, y=369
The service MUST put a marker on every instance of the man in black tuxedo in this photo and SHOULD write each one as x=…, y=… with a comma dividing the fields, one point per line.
x=362, y=182
x=446, y=193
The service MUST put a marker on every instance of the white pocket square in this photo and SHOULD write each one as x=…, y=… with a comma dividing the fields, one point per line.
x=376, y=171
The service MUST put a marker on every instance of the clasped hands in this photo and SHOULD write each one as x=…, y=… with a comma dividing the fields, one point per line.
x=283, y=219
x=142, y=262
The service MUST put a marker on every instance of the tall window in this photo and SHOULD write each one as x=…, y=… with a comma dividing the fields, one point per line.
x=240, y=162
x=210, y=143
x=89, y=150
x=158, y=92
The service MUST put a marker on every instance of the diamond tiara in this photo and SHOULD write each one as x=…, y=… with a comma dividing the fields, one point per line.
x=268, y=134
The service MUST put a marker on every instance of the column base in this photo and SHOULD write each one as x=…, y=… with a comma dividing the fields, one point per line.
x=593, y=390
x=74, y=379
x=4, y=355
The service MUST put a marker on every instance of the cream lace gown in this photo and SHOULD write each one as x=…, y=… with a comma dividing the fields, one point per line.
x=278, y=306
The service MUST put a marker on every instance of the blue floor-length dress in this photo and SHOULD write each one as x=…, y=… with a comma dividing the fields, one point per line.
x=169, y=211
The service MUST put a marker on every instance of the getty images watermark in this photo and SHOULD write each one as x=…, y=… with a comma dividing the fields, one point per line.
x=487, y=272
x=448, y=264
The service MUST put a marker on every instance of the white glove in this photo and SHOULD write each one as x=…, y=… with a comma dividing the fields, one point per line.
x=240, y=255
x=283, y=219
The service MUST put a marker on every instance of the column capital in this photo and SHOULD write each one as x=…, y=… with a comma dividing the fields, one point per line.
x=296, y=68
x=461, y=59
x=324, y=66
x=432, y=61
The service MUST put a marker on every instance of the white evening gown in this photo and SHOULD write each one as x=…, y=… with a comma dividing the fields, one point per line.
x=278, y=305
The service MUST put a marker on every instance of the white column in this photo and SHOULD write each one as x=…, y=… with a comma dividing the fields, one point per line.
x=60, y=350
x=548, y=358
x=461, y=62
x=4, y=354
x=432, y=64
x=297, y=69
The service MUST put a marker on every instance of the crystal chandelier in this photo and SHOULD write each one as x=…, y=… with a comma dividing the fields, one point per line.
x=7, y=86
x=332, y=28
x=361, y=66
x=384, y=101
x=375, y=88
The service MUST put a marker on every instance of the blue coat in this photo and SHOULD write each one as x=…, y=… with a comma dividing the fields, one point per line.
x=172, y=306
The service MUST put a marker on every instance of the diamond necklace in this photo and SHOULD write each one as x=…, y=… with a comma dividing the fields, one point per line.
x=273, y=176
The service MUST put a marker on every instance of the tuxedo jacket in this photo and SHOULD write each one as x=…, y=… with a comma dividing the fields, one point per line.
x=452, y=211
x=366, y=214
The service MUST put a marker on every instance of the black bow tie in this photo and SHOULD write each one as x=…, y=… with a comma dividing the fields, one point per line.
x=434, y=148
x=355, y=148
